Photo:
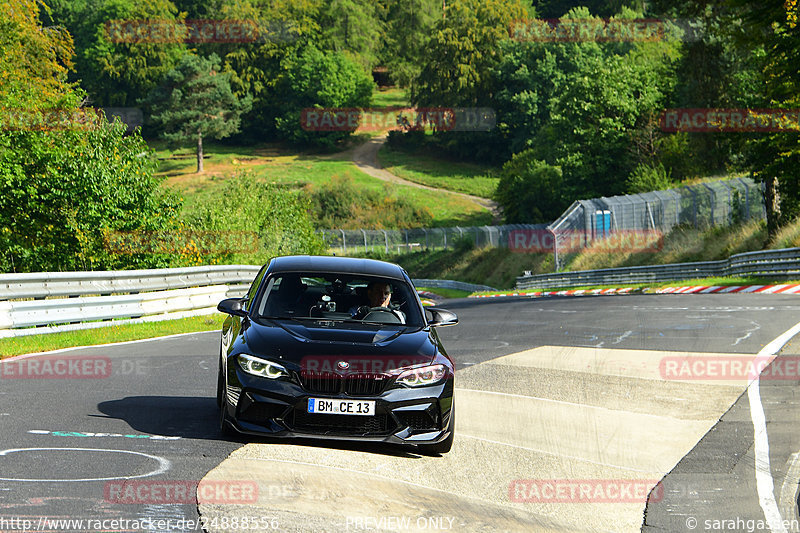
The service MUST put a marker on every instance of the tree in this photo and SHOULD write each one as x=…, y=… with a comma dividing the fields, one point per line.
x=551, y=9
x=409, y=25
x=194, y=100
x=352, y=27
x=34, y=61
x=124, y=47
x=258, y=66
x=645, y=179
x=63, y=183
x=463, y=50
x=608, y=94
x=775, y=158
x=588, y=107
x=530, y=190
x=313, y=78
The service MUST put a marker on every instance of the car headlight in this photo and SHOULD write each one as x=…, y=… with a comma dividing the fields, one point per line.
x=422, y=376
x=261, y=367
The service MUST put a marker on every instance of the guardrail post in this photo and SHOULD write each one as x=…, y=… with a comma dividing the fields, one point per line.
x=694, y=204
x=746, y=198
x=344, y=242
x=730, y=201
x=365, y=239
x=712, y=202
x=386, y=240
x=555, y=249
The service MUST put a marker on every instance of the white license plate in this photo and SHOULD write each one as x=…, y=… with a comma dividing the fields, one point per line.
x=341, y=407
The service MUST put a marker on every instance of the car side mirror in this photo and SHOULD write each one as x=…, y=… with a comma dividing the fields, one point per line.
x=440, y=317
x=232, y=306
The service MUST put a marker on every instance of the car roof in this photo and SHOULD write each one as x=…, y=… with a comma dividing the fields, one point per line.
x=338, y=265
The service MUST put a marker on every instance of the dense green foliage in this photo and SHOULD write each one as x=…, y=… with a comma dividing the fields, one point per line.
x=267, y=220
x=574, y=119
x=314, y=78
x=64, y=183
x=341, y=204
x=530, y=190
x=113, y=64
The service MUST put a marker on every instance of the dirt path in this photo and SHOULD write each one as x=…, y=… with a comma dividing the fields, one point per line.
x=365, y=157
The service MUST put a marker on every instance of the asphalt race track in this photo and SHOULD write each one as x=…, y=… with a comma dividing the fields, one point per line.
x=573, y=414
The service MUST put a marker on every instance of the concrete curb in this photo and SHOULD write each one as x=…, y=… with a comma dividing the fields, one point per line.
x=575, y=292
x=692, y=289
x=716, y=289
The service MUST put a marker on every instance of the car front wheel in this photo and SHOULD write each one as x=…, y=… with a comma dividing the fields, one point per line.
x=222, y=401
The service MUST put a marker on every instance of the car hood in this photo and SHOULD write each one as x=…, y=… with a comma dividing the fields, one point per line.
x=292, y=341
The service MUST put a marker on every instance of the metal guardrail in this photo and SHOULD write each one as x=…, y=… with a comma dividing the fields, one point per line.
x=47, y=302
x=773, y=263
x=450, y=284
x=107, y=282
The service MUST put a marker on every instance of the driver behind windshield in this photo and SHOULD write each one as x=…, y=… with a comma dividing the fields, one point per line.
x=379, y=294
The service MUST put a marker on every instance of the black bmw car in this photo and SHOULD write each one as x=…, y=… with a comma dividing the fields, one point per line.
x=338, y=348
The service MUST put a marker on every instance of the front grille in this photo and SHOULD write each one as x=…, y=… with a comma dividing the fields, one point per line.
x=339, y=424
x=321, y=382
x=350, y=384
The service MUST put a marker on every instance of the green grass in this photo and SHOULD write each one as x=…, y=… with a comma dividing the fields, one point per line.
x=495, y=267
x=120, y=333
x=277, y=164
x=446, y=293
x=390, y=98
x=422, y=167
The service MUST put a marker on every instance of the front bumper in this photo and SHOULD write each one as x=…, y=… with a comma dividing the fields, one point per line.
x=402, y=415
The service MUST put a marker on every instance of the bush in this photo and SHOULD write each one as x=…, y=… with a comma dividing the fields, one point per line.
x=317, y=79
x=271, y=220
x=342, y=204
x=61, y=192
x=645, y=178
x=530, y=190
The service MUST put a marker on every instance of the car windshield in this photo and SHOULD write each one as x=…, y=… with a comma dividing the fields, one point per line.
x=314, y=296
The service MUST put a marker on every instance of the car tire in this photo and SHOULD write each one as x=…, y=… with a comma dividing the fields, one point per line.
x=445, y=445
x=220, y=387
x=225, y=428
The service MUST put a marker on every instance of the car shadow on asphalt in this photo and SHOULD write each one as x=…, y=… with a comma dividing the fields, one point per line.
x=197, y=418
x=190, y=417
